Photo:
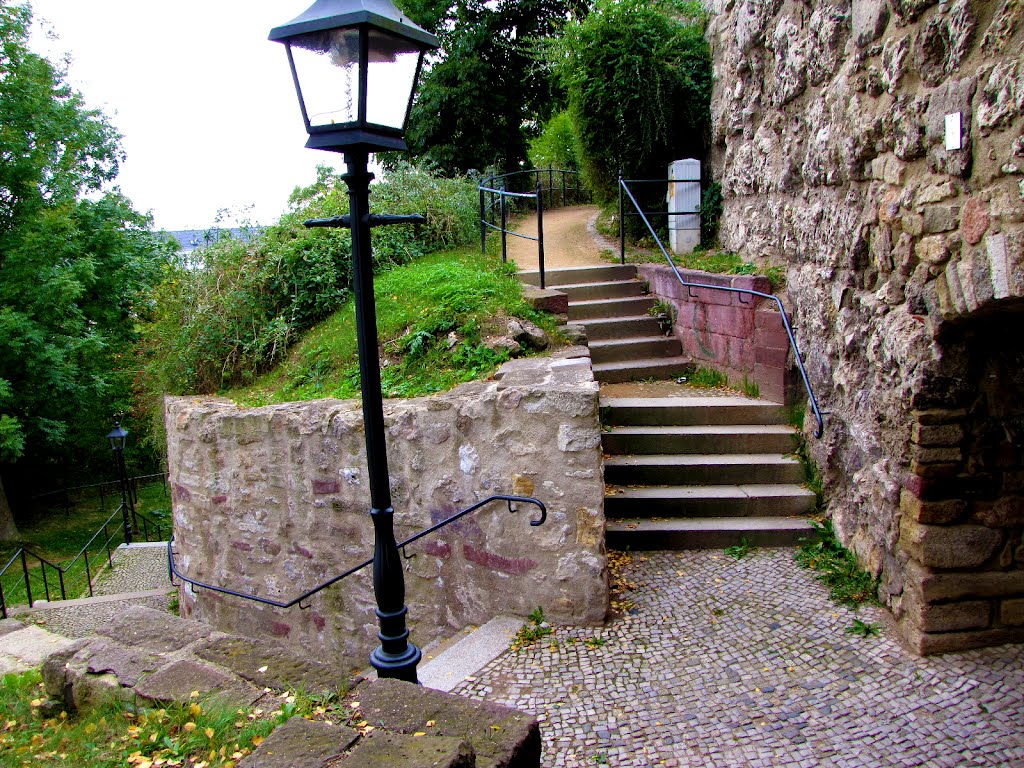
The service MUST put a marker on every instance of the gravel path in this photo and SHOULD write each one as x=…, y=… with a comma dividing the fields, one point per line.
x=568, y=241
x=725, y=663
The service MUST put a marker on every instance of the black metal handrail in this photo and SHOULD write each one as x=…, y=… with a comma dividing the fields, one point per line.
x=820, y=429
x=510, y=500
x=107, y=534
x=494, y=196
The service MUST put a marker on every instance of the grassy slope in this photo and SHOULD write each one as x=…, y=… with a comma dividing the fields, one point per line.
x=432, y=317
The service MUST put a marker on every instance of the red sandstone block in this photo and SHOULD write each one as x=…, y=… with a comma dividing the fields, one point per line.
x=769, y=319
x=772, y=358
x=741, y=357
x=731, y=321
x=771, y=339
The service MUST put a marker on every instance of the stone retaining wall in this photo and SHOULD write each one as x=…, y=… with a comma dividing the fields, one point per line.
x=739, y=335
x=905, y=259
x=274, y=500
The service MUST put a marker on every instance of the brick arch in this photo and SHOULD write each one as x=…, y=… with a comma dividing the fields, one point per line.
x=962, y=503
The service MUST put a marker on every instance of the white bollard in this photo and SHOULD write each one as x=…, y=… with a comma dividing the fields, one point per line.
x=684, y=201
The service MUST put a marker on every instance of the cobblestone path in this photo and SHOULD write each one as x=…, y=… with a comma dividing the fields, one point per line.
x=747, y=663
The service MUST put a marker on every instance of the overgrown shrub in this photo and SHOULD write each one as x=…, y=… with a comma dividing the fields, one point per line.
x=638, y=78
x=234, y=308
x=556, y=146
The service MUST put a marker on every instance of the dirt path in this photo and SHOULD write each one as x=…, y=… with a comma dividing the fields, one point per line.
x=569, y=240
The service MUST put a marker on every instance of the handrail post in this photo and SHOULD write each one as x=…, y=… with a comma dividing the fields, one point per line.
x=622, y=225
x=63, y=589
x=46, y=582
x=504, y=221
x=540, y=236
x=88, y=573
x=3, y=601
x=483, y=226
x=28, y=583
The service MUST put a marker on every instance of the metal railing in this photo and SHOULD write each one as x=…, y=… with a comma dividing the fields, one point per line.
x=510, y=500
x=501, y=196
x=623, y=213
x=37, y=576
x=66, y=497
x=820, y=429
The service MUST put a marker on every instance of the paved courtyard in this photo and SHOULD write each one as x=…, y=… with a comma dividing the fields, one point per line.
x=747, y=663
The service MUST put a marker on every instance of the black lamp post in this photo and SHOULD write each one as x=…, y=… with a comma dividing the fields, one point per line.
x=117, y=437
x=355, y=64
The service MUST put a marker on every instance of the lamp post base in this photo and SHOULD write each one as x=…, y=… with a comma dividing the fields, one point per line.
x=401, y=667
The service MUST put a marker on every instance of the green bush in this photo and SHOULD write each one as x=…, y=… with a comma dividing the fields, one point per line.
x=232, y=310
x=638, y=77
x=556, y=146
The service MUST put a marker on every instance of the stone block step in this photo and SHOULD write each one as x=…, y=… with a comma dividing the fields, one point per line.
x=701, y=469
x=710, y=439
x=682, y=411
x=642, y=369
x=622, y=327
x=575, y=275
x=707, y=533
x=608, y=290
x=602, y=308
x=768, y=500
x=636, y=348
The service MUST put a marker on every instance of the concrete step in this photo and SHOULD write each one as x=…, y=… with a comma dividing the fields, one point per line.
x=682, y=411
x=575, y=275
x=610, y=290
x=597, y=309
x=636, y=348
x=709, y=439
x=622, y=327
x=702, y=469
x=769, y=500
x=707, y=533
x=451, y=662
x=642, y=369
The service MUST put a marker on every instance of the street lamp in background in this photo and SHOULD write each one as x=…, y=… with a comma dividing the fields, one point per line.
x=117, y=437
x=355, y=64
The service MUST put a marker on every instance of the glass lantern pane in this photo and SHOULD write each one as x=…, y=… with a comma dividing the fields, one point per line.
x=390, y=78
x=327, y=65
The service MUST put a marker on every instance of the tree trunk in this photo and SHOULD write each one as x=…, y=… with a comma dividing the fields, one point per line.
x=8, y=530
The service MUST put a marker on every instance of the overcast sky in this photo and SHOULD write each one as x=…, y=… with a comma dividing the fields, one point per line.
x=204, y=101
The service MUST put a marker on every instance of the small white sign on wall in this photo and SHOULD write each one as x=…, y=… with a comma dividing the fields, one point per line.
x=954, y=140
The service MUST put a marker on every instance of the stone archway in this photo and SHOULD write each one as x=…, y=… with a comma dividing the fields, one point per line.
x=963, y=499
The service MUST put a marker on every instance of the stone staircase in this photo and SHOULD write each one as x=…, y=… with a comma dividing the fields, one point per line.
x=680, y=472
x=626, y=342
x=701, y=473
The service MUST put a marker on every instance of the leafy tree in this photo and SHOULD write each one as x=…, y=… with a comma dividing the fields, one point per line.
x=638, y=78
x=556, y=146
x=480, y=102
x=75, y=259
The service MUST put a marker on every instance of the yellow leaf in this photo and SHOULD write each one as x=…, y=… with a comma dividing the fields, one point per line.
x=90, y=728
x=195, y=710
x=36, y=703
x=209, y=732
x=257, y=740
x=194, y=695
x=189, y=727
x=431, y=723
x=420, y=733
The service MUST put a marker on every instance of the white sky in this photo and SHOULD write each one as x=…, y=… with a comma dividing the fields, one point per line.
x=204, y=101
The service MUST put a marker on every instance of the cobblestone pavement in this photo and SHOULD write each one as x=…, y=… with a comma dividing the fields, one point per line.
x=136, y=569
x=747, y=663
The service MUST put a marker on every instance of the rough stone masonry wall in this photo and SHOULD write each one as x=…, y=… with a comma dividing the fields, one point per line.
x=274, y=500
x=828, y=133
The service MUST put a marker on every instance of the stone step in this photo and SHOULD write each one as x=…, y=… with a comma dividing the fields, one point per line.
x=709, y=439
x=622, y=327
x=682, y=411
x=768, y=500
x=636, y=348
x=603, y=308
x=608, y=290
x=450, y=663
x=701, y=469
x=707, y=533
x=642, y=369
x=576, y=275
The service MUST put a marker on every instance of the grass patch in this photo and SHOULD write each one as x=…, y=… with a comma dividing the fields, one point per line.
x=741, y=550
x=198, y=734
x=706, y=378
x=837, y=568
x=433, y=317
x=530, y=633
